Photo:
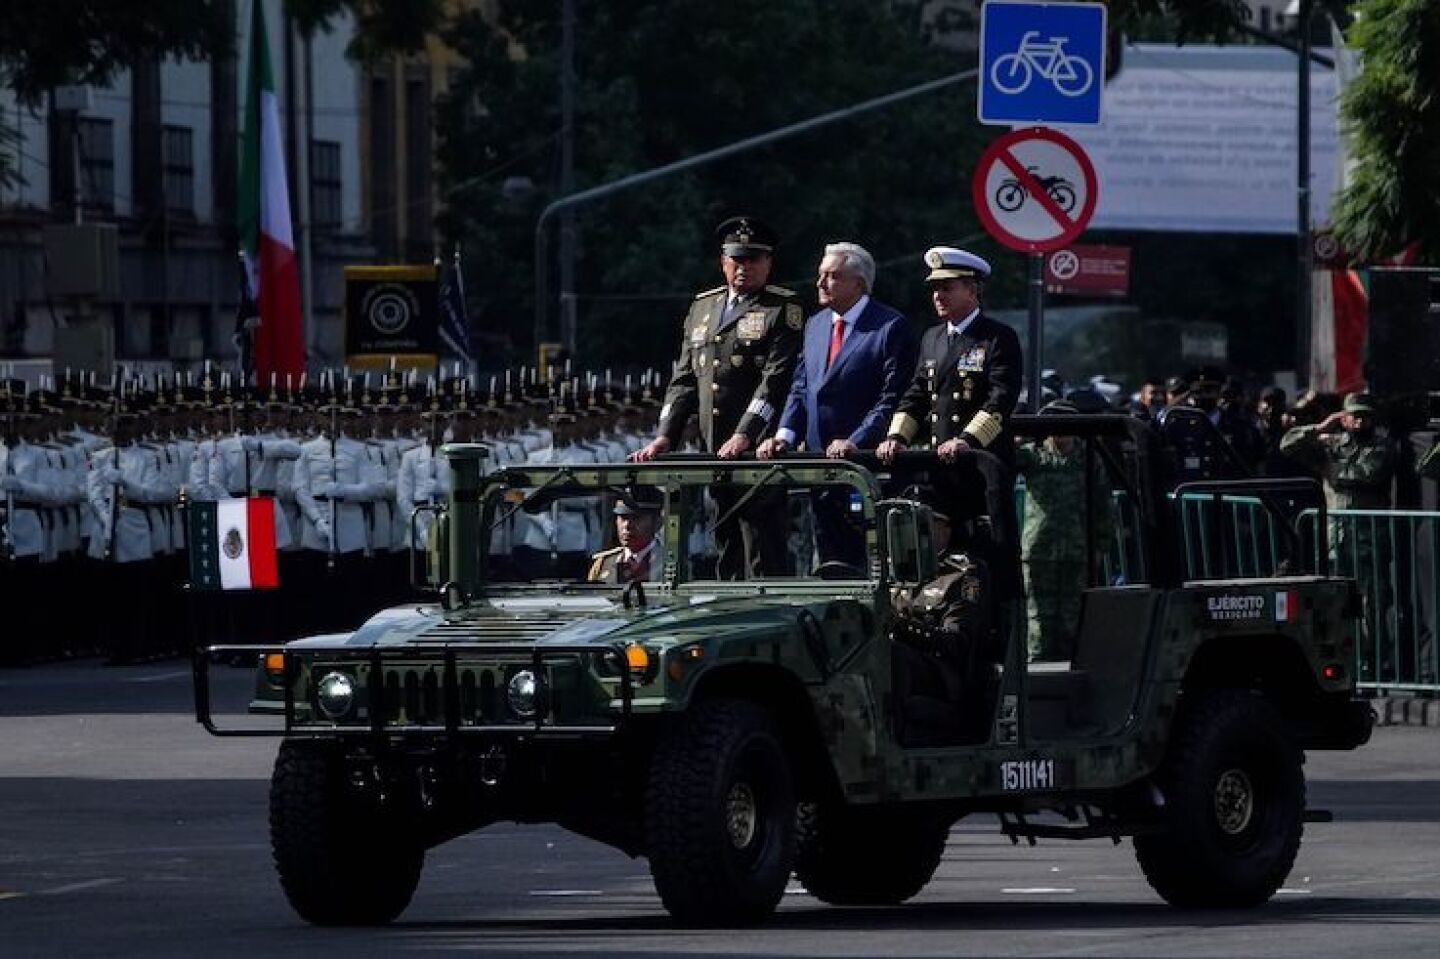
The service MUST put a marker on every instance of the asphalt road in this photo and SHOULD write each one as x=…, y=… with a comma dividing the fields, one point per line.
x=126, y=831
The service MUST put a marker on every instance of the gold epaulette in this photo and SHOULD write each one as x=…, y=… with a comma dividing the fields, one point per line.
x=597, y=563
x=780, y=291
x=718, y=289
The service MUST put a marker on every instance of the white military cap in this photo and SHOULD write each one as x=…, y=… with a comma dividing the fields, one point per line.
x=950, y=263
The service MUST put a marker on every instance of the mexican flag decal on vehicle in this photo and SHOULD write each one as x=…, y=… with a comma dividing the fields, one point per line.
x=1287, y=607
x=232, y=544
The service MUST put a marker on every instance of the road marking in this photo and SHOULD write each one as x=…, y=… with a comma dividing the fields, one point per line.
x=158, y=677
x=566, y=892
x=10, y=895
x=77, y=887
x=1293, y=892
x=1037, y=890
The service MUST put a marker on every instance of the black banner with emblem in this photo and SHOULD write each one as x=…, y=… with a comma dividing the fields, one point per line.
x=391, y=311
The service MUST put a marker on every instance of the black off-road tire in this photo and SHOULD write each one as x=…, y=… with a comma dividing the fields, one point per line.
x=720, y=816
x=866, y=857
x=1234, y=806
x=339, y=863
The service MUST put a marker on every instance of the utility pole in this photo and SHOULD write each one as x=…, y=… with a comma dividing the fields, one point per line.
x=1305, y=257
x=567, y=173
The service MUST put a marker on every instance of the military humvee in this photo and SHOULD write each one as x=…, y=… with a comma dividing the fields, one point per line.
x=736, y=733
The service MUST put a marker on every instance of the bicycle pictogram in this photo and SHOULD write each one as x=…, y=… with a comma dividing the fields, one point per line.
x=1011, y=194
x=1070, y=75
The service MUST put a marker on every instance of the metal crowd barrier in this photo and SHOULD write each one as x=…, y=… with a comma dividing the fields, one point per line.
x=1392, y=555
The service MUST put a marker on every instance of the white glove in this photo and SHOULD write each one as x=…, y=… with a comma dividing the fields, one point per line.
x=329, y=490
x=111, y=475
x=322, y=526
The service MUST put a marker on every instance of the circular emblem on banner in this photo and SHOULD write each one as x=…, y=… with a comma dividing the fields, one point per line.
x=234, y=543
x=389, y=307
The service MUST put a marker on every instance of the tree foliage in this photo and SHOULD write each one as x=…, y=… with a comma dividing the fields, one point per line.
x=1392, y=114
x=660, y=80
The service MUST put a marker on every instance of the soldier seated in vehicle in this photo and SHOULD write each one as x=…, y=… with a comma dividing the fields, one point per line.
x=944, y=641
x=641, y=553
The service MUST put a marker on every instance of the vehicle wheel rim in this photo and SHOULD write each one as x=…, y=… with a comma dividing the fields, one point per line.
x=741, y=815
x=1234, y=802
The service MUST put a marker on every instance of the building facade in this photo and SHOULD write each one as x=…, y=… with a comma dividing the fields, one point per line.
x=157, y=154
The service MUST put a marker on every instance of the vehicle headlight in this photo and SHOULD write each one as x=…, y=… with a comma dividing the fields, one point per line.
x=521, y=693
x=335, y=694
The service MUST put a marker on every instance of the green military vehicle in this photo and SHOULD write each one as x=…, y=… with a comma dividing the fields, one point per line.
x=739, y=733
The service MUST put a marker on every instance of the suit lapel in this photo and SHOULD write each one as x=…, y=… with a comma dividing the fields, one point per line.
x=817, y=344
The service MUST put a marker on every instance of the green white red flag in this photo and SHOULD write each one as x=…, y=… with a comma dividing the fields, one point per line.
x=263, y=215
x=232, y=544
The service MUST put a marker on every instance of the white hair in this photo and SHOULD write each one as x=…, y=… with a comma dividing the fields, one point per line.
x=857, y=260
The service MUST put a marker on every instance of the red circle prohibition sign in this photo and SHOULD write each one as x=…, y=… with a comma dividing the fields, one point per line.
x=1023, y=186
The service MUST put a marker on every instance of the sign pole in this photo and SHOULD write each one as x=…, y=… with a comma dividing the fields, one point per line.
x=1034, y=354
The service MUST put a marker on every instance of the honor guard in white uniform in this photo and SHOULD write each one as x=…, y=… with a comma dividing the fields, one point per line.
x=556, y=540
x=332, y=487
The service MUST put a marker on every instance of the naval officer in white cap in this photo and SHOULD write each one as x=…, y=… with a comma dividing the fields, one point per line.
x=968, y=378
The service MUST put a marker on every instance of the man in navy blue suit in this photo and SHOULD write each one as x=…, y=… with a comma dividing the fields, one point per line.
x=858, y=356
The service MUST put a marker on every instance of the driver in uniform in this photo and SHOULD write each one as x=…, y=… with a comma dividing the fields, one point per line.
x=641, y=553
x=945, y=641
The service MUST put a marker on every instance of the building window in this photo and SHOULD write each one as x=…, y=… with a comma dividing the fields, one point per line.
x=178, y=146
x=324, y=186
x=97, y=163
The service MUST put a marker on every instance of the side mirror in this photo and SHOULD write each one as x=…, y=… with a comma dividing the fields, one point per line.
x=909, y=545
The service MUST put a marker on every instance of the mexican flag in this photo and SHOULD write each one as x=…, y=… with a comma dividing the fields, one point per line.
x=232, y=544
x=267, y=242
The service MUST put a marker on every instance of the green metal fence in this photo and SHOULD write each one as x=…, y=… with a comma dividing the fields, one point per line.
x=1392, y=556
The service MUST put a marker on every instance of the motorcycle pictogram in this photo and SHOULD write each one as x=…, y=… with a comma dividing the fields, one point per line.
x=1011, y=194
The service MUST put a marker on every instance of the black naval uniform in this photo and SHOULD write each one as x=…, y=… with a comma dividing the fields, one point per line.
x=734, y=373
x=965, y=389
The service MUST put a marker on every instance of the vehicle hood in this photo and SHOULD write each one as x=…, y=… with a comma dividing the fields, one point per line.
x=573, y=619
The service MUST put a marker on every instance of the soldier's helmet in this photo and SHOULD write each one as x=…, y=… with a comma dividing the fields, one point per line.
x=1362, y=404
x=926, y=496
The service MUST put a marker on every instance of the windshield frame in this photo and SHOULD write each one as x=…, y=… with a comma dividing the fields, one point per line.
x=673, y=475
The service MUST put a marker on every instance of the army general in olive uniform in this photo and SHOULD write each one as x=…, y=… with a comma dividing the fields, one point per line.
x=737, y=356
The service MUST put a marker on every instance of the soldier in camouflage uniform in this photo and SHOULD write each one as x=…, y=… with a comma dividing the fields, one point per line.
x=1052, y=539
x=1357, y=463
x=738, y=355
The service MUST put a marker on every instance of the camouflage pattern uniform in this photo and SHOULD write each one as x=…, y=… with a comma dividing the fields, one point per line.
x=945, y=646
x=1052, y=543
x=1358, y=472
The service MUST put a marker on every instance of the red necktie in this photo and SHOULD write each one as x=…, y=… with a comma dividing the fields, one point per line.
x=837, y=336
x=636, y=568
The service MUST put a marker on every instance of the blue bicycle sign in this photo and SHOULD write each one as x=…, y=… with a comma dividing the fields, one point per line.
x=1046, y=59
x=1041, y=62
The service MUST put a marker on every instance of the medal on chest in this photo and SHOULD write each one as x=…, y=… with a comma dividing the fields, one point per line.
x=751, y=326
